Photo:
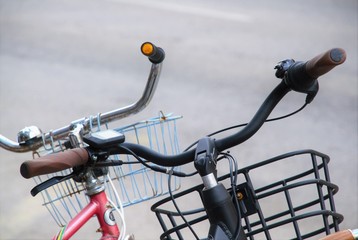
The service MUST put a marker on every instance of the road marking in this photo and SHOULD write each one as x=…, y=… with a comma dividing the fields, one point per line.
x=180, y=8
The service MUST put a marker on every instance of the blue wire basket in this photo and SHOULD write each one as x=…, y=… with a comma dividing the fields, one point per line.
x=134, y=183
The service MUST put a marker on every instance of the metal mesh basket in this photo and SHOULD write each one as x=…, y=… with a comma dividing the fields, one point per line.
x=286, y=197
x=133, y=182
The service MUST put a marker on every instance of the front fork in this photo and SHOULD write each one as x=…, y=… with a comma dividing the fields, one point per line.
x=98, y=206
x=218, y=203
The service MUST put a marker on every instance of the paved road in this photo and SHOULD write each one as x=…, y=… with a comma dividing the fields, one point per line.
x=63, y=60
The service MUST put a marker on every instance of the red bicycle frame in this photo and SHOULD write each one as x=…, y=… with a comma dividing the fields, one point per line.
x=99, y=206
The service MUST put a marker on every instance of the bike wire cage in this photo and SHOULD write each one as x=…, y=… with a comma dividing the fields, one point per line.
x=134, y=183
x=294, y=200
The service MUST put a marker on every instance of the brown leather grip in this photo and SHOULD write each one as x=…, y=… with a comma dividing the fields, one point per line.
x=324, y=62
x=54, y=162
x=341, y=235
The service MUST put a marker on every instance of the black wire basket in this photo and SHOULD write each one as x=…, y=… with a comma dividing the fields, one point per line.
x=294, y=200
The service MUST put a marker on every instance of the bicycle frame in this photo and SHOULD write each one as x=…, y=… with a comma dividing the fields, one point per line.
x=99, y=206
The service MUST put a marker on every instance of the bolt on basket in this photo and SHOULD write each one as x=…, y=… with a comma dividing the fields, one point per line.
x=286, y=197
x=133, y=183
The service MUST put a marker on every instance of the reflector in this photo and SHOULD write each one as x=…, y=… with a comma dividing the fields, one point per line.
x=147, y=48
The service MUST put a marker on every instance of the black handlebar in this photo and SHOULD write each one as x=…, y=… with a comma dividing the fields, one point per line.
x=298, y=76
x=221, y=144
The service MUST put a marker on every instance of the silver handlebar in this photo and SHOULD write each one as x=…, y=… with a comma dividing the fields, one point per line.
x=37, y=142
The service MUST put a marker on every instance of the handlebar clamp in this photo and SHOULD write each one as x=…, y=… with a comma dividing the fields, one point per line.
x=295, y=76
x=206, y=157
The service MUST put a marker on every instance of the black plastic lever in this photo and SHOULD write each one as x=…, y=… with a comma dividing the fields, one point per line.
x=206, y=156
x=50, y=182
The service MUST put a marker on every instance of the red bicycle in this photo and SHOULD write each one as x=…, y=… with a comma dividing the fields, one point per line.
x=140, y=158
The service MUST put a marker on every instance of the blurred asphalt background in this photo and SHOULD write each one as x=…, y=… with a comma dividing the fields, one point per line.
x=64, y=60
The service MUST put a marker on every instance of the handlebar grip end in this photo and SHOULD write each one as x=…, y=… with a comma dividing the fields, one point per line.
x=338, y=55
x=155, y=54
x=24, y=170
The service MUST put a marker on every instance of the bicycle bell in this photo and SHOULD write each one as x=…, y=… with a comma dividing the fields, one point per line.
x=28, y=134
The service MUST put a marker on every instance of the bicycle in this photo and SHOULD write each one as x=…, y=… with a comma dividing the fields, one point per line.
x=81, y=157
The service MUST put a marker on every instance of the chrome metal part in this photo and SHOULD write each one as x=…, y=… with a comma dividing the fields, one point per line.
x=209, y=181
x=75, y=136
x=16, y=147
x=27, y=134
x=29, y=138
x=93, y=184
x=120, y=113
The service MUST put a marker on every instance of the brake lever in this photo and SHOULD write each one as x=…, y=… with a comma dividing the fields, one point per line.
x=50, y=182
